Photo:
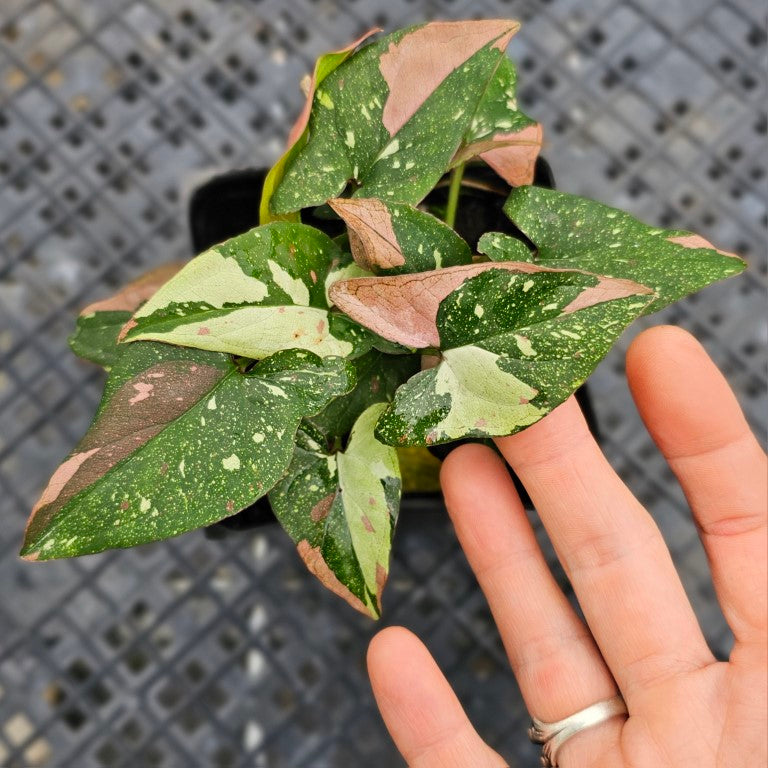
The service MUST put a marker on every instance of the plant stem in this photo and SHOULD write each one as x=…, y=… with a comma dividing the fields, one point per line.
x=453, y=195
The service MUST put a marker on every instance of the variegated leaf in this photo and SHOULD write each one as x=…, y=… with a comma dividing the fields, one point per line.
x=514, y=346
x=341, y=509
x=378, y=375
x=395, y=238
x=404, y=308
x=574, y=232
x=98, y=326
x=95, y=336
x=256, y=294
x=393, y=116
x=503, y=136
x=182, y=439
x=297, y=138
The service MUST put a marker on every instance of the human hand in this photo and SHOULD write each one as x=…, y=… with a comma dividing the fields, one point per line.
x=641, y=637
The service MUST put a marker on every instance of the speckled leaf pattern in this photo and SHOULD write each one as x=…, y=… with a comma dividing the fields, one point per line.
x=395, y=238
x=341, y=510
x=182, y=438
x=378, y=375
x=514, y=346
x=503, y=136
x=404, y=308
x=571, y=231
x=95, y=336
x=392, y=117
x=298, y=135
x=256, y=294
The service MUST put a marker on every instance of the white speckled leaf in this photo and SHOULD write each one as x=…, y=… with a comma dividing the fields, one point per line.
x=503, y=136
x=378, y=375
x=574, y=232
x=253, y=295
x=182, y=438
x=297, y=138
x=395, y=238
x=393, y=116
x=404, y=308
x=341, y=510
x=514, y=346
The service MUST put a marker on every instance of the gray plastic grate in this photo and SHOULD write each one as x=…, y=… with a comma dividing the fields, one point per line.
x=222, y=653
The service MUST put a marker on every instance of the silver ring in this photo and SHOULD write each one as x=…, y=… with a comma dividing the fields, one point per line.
x=553, y=735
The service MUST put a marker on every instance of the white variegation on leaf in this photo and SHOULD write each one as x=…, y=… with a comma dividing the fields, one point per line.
x=182, y=439
x=575, y=233
x=404, y=308
x=341, y=508
x=515, y=344
x=254, y=295
x=400, y=112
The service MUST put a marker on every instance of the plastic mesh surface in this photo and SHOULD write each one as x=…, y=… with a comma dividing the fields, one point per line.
x=201, y=652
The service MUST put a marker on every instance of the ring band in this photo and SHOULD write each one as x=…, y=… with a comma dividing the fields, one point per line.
x=553, y=735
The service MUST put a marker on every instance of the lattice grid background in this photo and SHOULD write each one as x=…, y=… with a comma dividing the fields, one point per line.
x=224, y=652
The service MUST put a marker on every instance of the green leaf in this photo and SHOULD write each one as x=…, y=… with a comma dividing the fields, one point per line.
x=181, y=439
x=395, y=238
x=404, y=308
x=95, y=336
x=393, y=116
x=98, y=326
x=503, y=136
x=341, y=510
x=378, y=375
x=574, y=232
x=297, y=138
x=514, y=345
x=500, y=247
x=256, y=294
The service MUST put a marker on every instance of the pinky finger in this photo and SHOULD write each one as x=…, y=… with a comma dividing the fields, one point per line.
x=420, y=710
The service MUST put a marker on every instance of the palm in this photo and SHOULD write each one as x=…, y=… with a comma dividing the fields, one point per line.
x=693, y=720
x=641, y=636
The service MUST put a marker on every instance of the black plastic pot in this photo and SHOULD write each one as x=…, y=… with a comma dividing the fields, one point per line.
x=228, y=205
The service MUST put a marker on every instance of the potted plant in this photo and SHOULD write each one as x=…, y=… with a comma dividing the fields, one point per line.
x=296, y=363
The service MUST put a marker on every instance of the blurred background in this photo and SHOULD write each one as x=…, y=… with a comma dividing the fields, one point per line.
x=225, y=652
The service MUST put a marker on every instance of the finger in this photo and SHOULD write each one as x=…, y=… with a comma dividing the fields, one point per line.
x=612, y=551
x=694, y=418
x=554, y=657
x=419, y=707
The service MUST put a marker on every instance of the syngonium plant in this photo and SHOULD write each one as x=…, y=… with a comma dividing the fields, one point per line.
x=287, y=364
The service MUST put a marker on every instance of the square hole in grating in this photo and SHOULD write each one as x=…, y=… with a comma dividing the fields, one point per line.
x=107, y=754
x=136, y=659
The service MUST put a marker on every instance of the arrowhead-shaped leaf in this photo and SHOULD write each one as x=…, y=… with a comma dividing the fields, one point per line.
x=514, y=346
x=297, y=138
x=256, y=294
x=574, y=232
x=393, y=116
x=395, y=238
x=98, y=326
x=182, y=439
x=341, y=510
x=404, y=308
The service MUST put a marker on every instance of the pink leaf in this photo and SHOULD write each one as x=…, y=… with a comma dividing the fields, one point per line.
x=136, y=293
x=371, y=237
x=403, y=308
x=414, y=67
